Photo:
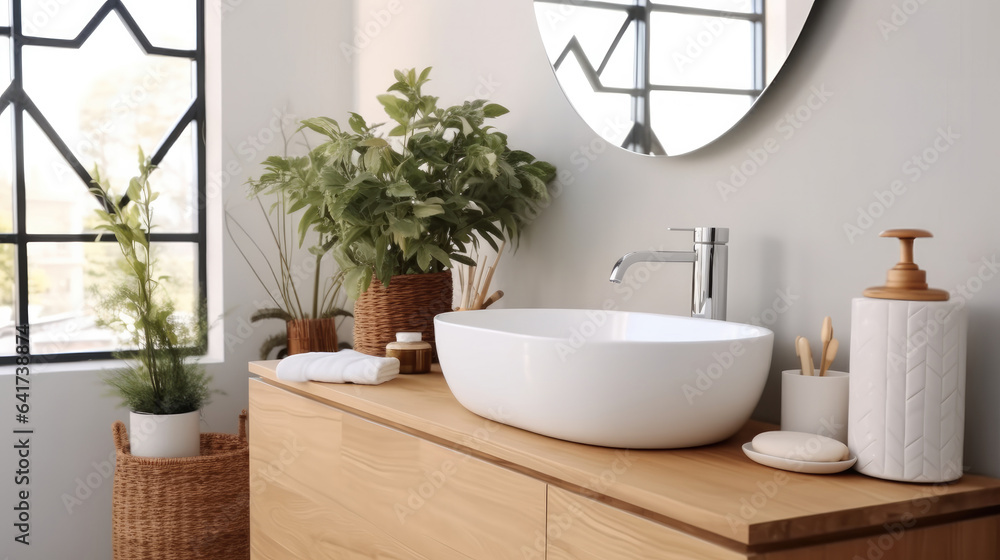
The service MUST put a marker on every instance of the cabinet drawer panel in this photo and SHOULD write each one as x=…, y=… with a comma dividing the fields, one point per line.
x=583, y=529
x=295, y=442
x=285, y=524
x=972, y=539
x=437, y=499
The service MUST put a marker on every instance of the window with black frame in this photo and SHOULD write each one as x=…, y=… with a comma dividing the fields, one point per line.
x=657, y=76
x=90, y=82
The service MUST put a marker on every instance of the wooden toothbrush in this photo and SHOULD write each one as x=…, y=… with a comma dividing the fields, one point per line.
x=826, y=335
x=805, y=355
x=830, y=355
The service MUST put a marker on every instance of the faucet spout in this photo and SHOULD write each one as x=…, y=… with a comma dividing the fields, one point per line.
x=623, y=264
x=711, y=269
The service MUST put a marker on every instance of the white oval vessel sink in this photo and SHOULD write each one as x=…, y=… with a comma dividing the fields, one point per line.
x=609, y=378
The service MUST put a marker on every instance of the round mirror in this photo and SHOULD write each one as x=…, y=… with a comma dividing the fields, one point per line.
x=667, y=77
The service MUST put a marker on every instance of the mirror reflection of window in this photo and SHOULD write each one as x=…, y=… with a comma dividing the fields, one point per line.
x=666, y=77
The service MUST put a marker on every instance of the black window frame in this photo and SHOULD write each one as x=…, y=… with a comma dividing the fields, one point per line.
x=16, y=99
x=641, y=138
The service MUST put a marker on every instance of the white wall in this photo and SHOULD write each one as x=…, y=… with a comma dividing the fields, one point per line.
x=889, y=97
x=275, y=57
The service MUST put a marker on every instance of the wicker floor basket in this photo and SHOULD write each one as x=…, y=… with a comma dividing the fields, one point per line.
x=183, y=509
x=409, y=304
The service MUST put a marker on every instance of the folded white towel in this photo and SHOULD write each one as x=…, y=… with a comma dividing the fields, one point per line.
x=346, y=366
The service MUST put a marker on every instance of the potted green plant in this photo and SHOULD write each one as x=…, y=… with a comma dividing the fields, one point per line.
x=161, y=384
x=311, y=325
x=399, y=209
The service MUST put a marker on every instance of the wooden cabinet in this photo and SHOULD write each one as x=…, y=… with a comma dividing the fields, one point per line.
x=401, y=470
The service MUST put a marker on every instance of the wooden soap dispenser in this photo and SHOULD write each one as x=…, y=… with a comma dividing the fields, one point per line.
x=906, y=411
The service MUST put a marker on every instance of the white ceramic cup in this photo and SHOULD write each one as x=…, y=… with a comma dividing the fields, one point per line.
x=815, y=405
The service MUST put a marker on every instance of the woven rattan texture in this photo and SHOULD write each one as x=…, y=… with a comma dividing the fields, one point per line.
x=188, y=508
x=409, y=304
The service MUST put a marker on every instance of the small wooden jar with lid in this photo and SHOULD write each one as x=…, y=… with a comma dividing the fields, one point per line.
x=414, y=354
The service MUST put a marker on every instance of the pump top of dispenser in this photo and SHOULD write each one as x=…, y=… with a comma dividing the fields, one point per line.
x=906, y=281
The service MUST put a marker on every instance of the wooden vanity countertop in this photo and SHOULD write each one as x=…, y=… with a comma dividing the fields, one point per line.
x=713, y=492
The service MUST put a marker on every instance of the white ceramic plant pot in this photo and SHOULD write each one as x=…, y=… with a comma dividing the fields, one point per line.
x=165, y=435
x=907, y=384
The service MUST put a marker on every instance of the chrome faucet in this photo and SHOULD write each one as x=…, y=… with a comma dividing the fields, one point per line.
x=711, y=267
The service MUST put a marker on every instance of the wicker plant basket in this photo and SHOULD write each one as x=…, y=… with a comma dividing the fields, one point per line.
x=409, y=304
x=183, y=509
x=312, y=335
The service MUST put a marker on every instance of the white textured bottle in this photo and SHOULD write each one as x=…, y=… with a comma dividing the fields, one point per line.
x=906, y=415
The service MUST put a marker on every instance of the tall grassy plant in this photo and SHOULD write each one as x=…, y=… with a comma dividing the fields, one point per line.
x=160, y=377
x=283, y=275
x=276, y=264
x=415, y=199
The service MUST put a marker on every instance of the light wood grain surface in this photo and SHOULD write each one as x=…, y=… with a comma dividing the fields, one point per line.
x=972, y=539
x=317, y=471
x=289, y=524
x=585, y=529
x=714, y=493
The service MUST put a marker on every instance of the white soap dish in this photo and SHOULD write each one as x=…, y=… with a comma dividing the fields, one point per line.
x=809, y=467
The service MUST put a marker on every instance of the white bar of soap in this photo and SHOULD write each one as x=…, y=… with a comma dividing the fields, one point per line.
x=800, y=446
